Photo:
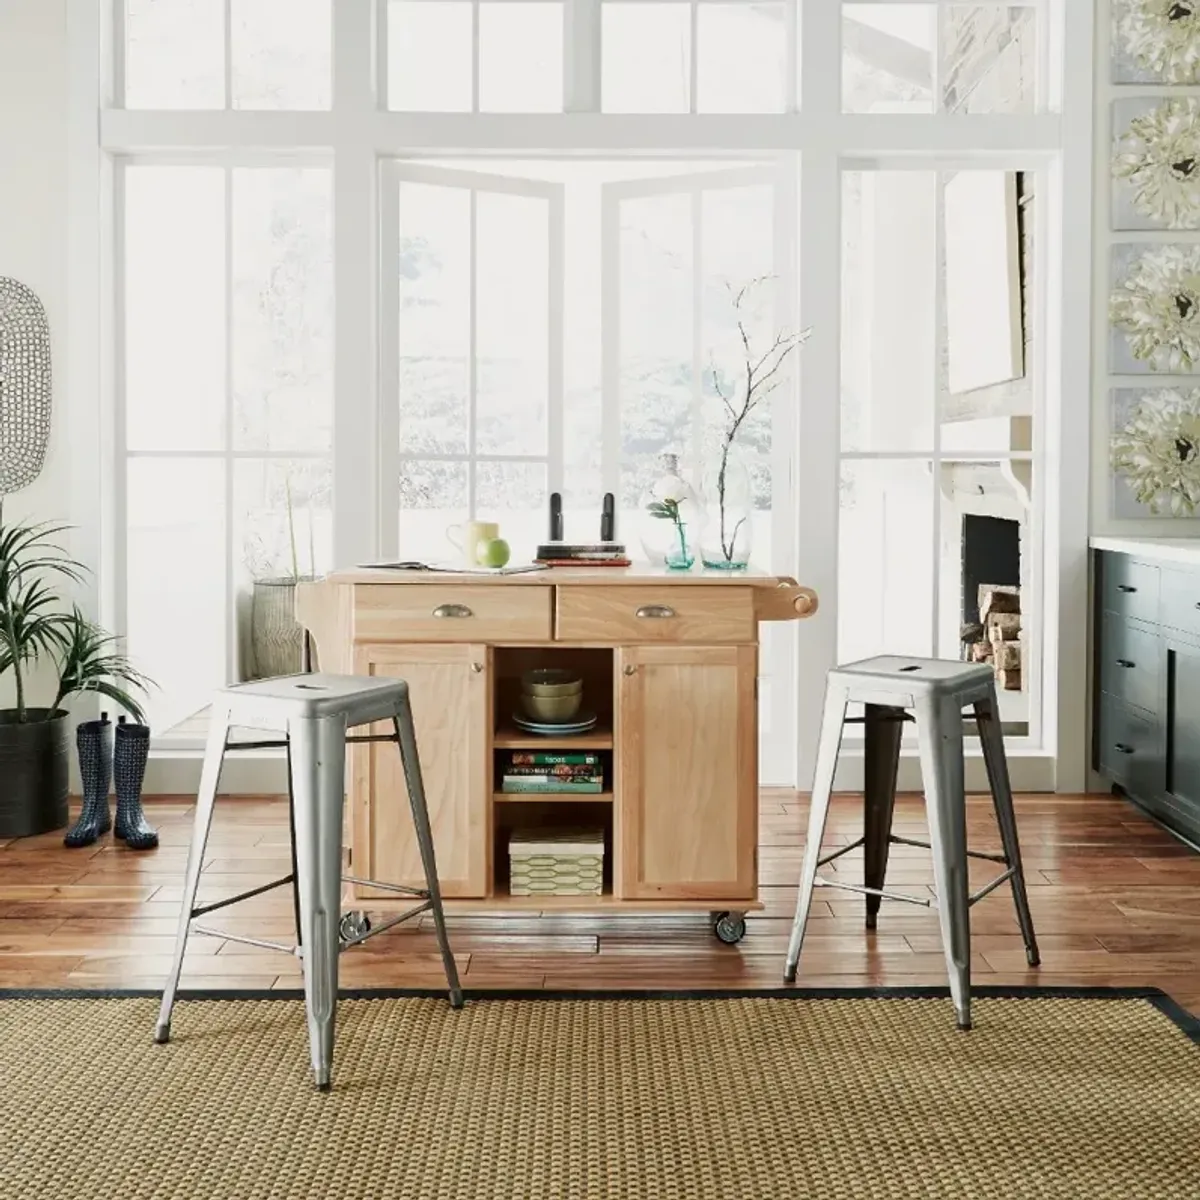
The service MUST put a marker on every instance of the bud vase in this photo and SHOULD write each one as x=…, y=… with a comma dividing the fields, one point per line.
x=670, y=518
x=729, y=499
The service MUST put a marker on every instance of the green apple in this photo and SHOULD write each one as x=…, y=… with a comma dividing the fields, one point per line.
x=493, y=553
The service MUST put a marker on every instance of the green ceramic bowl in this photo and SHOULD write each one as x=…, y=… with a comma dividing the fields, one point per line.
x=552, y=708
x=551, y=681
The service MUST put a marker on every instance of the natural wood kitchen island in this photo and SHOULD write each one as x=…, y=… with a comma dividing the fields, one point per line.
x=669, y=662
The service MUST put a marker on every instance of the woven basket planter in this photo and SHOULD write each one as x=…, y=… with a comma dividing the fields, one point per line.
x=276, y=637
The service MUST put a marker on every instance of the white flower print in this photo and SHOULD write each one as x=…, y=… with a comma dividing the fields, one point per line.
x=1159, y=155
x=1161, y=36
x=1157, y=307
x=1157, y=452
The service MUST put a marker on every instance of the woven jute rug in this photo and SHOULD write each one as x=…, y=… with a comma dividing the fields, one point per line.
x=721, y=1095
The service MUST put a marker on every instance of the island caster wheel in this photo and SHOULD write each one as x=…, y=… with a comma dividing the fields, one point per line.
x=354, y=924
x=730, y=928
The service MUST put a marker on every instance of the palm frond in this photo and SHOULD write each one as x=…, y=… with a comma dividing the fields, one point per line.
x=92, y=661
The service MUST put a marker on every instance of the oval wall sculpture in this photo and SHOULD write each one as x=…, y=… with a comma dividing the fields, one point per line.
x=24, y=386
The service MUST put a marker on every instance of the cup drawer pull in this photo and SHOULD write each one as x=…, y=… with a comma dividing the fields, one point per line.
x=655, y=611
x=452, y=610
x=1121, y=748
x=1125, y=587
x=1124, y=662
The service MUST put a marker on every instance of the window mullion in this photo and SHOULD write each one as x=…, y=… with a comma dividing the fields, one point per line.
x=230, y=617
x=356, y=467
x=581, y=55
x=555, y=366
x=472, y=350
x=227, y=35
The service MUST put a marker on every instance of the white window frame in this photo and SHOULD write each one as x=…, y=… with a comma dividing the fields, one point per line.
x=360, y=135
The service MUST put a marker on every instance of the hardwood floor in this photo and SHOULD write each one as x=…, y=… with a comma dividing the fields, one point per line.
x=1115, y=900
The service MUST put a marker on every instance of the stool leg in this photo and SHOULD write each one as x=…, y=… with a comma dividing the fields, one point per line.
x=939, y=729
x=317, y=747
x=411, y=761
x=884, y=728
x=992, y=740
x=832, y=721
x=210, y=778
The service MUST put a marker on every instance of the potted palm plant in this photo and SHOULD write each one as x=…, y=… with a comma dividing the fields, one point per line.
x=35, y=628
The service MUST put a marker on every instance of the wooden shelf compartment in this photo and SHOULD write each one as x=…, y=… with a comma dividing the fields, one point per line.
x=552, y=797
x=509, y=737
x=607, y=902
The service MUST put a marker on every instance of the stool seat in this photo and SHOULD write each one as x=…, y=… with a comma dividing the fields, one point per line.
x=271, y=703
x=937, y=691
x=898, y=677
x=312, y=713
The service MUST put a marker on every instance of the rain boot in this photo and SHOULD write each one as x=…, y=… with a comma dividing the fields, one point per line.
x=129, y=769
x=94, y=741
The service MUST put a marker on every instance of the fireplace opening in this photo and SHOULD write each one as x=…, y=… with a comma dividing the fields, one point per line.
x=991, y=596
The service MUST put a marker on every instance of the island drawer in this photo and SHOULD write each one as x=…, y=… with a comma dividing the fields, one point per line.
x=678, y=613
x=1181, y=600
x=452, y=613
x=1129, y=662
x=1129, y=588
x=1127, y=747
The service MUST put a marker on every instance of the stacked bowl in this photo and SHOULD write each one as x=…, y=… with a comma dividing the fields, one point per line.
x=551, y=695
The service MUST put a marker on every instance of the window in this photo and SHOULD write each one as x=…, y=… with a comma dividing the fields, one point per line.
x=543, y=303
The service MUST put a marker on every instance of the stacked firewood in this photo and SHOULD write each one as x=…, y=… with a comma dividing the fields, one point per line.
x=996, y=637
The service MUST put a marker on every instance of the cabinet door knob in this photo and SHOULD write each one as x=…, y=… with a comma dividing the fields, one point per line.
x=1121, y=748
x=655, y=611
x=452, y=610
x=477, y=668
x=1124, y=662
x=1124, y=587
x=630, y=669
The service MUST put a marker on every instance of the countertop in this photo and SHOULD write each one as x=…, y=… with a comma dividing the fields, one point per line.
x=575, y=576
x=1185, y=551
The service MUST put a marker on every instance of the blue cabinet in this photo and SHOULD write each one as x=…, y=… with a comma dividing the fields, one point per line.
x=1147, y=668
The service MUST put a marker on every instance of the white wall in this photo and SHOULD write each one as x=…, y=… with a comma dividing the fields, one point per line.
x=33, y=221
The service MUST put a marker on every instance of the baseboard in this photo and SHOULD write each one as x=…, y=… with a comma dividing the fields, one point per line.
x=177, y=773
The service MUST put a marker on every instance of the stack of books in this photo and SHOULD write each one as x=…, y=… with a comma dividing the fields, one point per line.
x=537, y=771
x=581, y=554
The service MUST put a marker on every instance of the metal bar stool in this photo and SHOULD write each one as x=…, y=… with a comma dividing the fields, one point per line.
x=313, y=712
x=937, y=692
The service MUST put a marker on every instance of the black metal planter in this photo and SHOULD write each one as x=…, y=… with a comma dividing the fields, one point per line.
x=34, y=776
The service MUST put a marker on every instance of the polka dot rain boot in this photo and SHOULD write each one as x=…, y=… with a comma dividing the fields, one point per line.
x=94, y=742
x=133, y=748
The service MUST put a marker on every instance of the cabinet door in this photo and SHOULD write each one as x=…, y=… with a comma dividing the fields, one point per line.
x=450, y=693
x=687, y=771
x=1180, y=777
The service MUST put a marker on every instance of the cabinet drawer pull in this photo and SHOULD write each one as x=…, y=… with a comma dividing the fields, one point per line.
x=1125, y=587
x=656, y=611
x=630, y=669
x=477, y=668
x=1121, y=748
x=452, y=610
x=1124, y=662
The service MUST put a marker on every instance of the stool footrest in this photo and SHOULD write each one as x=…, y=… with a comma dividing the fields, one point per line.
x=988, y=888
x=838, y=853
x=870, y=891
x=258, y=891
x=416, y=911
x=387, y=887
x=903, y=841
x=246, y=941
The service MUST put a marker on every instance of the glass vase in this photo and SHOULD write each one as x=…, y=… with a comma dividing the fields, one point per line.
x=670, y=518
x=729, y=500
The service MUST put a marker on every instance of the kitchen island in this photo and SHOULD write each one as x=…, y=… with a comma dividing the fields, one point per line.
x=1146, y=675
x=669, y=662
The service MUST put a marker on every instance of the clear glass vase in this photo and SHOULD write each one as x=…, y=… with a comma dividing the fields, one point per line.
x=727, y=539
x=670, y=518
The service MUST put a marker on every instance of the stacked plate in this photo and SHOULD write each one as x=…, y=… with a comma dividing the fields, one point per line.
x=551, y=703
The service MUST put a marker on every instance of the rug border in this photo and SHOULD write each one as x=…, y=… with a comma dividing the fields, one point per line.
x=1186, y=1022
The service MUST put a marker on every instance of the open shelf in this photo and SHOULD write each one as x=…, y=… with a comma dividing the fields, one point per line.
x=552, y=797
x=503, y=898
x=509, y=737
